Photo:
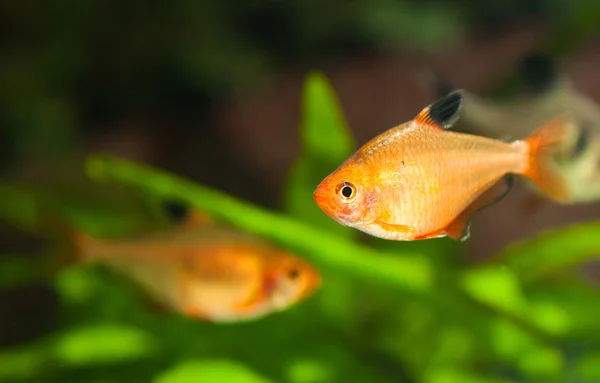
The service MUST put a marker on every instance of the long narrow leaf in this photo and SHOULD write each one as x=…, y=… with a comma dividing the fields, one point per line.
x=552, y=251
x=326, y=143
x=411, y=272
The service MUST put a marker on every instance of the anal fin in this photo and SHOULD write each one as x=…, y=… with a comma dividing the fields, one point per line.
x=194, y=312
x=435, y=234
x=459, y=229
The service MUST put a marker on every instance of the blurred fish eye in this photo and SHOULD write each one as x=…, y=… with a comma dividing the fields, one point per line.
x=293, y=274
x=346, y=191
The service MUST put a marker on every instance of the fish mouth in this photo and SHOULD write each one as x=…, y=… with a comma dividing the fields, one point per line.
x=321, y=200
x=329, y=208
x=315, y=284
x=279, y=301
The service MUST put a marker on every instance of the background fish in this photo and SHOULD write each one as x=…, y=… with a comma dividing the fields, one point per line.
x=418, y=181
x=548, y=92
x=205, y=269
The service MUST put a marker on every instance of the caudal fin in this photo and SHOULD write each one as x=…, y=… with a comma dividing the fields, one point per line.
x=541, y=169
x=71, y=243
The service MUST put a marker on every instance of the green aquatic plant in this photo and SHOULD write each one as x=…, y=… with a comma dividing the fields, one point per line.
x=386, y=312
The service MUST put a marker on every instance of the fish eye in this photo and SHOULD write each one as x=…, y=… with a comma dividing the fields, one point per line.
x=346, y=190
x=293, y=274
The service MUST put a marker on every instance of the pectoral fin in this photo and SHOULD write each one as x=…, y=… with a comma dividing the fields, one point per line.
x=395, y=228
x=459, y=229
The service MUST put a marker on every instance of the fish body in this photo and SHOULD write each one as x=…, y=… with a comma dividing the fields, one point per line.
x=419, y=180
x=207, y=271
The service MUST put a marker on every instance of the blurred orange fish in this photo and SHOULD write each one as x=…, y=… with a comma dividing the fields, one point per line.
x=206, y=270
x=419, y=181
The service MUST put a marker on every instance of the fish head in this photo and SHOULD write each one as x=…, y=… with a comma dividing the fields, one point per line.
x=348, y=195
x=289, y=280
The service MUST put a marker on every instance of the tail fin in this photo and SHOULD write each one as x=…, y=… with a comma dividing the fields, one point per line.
x=71, y=243
x=542, y=144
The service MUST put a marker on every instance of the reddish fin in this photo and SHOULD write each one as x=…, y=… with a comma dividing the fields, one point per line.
x=443, y=113
x=435, y=234
x=459, y=229
x=543, y=143
x=252, y=301
x=194, y=312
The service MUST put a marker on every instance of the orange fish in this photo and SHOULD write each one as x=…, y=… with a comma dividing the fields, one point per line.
x=207, y=270
x=419, y=180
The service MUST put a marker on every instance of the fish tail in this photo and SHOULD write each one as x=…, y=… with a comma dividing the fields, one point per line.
x=72, y=243
x=79, y=243
x=542, y=144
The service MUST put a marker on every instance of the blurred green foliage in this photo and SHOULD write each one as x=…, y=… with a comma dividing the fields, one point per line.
x=386, y=312
x=320, y=150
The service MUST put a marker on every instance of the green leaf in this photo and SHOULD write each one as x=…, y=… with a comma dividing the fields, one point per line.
x=405, y=271
x=324, y=132
x=215, y=370
x=326, y=144
x=551, y=316
x=101, y=344
x=496, y=287
x=20, y=207
x=18, y=269
x=448, y=375
x=588, y=367
x=552, y=251
x=76, y=284
x=455, y=345
x=566, y=308
x=532, y=357
x=25, y=363
x=309, y=371
x=32, y=209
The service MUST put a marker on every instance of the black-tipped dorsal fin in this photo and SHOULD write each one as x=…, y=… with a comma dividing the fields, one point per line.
x=443, y=112
x=184, y=216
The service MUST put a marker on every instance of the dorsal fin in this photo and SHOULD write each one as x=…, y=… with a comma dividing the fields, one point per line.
x=184, y=216
x=175, y=210
x=443, y=112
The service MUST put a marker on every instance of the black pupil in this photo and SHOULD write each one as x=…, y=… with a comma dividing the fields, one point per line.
x=293, y=273
x=347, y=191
